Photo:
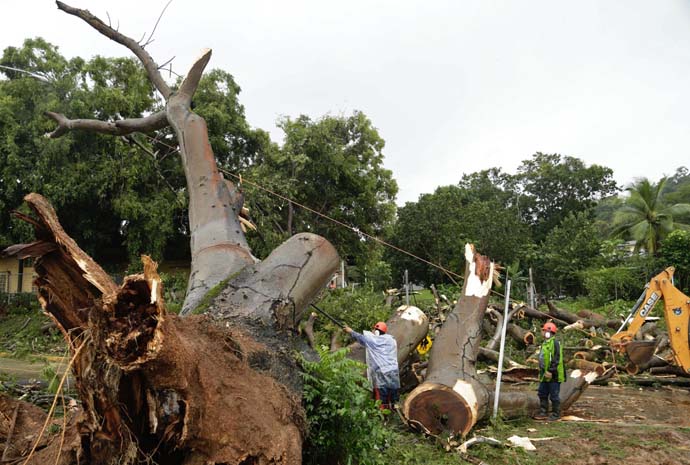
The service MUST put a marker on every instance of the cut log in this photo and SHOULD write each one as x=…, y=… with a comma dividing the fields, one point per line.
x=513, y=404
x=562, y=315
x=520, y=335
x=571, y=318
x=493, y=356
x=589, y=355
x=451, y=397
x=654, y=362
x=587, y=366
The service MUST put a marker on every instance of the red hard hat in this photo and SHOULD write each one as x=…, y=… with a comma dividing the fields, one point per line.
x=381, y=326
x=548, y=326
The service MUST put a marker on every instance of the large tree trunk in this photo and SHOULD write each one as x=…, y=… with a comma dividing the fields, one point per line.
x=219, y=387
x=451, y=397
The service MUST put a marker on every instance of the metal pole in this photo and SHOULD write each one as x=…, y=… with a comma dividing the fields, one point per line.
x=342, y=274
x=500, y=353
x=531, y=290
x=407, y=289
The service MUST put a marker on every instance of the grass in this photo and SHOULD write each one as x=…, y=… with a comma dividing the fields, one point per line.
x=21, y=335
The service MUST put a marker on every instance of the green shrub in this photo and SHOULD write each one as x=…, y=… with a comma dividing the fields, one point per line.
x=607, y=284
x=360, y=308
x=345, y=424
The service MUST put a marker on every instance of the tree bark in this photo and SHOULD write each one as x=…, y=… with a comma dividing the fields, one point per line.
x=451, y=397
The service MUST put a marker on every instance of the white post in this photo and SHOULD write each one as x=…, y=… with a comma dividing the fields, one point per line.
x=342, y=274
x=500, y=353
x=532, y=303
x=407, y=289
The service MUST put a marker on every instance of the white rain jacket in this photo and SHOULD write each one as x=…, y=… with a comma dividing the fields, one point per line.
x=382, y=359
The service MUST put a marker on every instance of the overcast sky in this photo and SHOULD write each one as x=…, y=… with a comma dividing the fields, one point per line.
x=452, y=86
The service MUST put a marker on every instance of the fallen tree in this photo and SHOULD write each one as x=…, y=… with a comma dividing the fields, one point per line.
x=222, y=387
x=452, y=397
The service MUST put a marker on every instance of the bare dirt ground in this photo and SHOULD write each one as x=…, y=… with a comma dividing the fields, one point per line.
x=624, y=425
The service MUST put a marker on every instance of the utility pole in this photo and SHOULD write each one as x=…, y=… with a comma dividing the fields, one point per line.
x=342, y=274
x=407, y=289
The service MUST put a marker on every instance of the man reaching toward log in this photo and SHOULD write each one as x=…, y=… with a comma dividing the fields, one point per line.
x=382, y=362
x=551, y=374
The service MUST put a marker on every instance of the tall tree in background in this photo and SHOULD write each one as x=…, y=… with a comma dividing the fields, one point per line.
x=568, y=249
x=133, y=186
x=553, y=186
x=82, y=171
x=482, y=209
x=646, y=218
x=333, y=165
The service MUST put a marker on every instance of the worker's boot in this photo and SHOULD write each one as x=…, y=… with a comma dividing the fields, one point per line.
x=555, y=411
x=543, y=409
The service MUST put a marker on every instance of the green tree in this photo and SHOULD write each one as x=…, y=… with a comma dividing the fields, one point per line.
x=133, y=188
x=81, y=172
x=568, y=249
x=438, y=225
x=333, y=165
x=553, y=186
x=646, y=218
x=675, y=251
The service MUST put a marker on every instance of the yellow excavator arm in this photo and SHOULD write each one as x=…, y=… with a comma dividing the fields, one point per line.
x=676, y=312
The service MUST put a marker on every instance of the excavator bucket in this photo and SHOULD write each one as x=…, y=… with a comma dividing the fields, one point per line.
x=640, y=352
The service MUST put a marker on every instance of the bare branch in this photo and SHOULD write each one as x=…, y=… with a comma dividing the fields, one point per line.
x=112, y=34
x=156, y=25
x=116, y=128
x=166, y=63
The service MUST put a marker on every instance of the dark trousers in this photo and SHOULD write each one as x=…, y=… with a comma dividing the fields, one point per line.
x=550, y=389
x=387, y=396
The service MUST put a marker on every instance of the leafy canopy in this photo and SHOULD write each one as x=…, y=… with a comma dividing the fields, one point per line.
x=646, y=218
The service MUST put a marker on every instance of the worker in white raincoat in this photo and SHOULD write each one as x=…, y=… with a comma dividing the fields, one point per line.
x=382, y=362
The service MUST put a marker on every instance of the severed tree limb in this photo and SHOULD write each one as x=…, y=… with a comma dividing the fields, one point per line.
x=218, y=246
x=520, y=335
x=493, y=356
x=452, y=398
x=146, y=60
x=114, y=128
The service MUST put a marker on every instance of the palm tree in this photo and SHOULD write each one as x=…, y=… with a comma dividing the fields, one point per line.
x=645, y=218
